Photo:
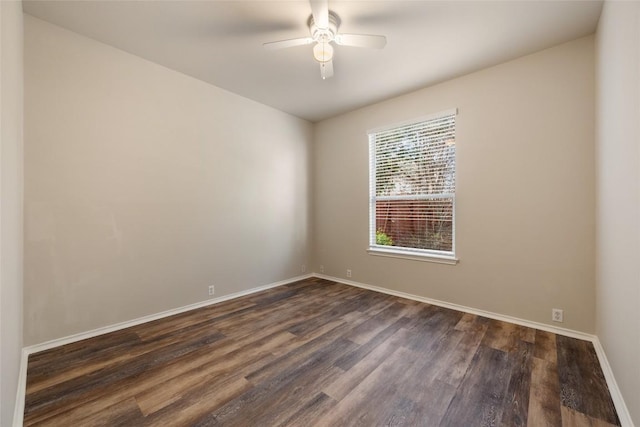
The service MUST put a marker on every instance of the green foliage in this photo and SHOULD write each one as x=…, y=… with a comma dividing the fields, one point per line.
x=383, y=239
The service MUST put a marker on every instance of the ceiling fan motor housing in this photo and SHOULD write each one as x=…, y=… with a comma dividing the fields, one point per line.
x=324, y=34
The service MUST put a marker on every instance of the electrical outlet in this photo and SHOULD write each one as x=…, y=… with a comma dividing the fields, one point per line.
x=322, y=269
x=303, y=268
x=557, y=315
x=348, y=273
x=212, y=290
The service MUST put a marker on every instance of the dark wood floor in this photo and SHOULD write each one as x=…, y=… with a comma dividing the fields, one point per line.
x=320, y=353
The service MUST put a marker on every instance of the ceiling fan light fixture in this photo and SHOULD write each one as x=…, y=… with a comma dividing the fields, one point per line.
x=323, y=52
x=323, y=28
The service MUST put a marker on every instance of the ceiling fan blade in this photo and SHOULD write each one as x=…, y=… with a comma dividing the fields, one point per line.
x=320, y=12
x=361, y=40
x=326, y=70
x=283, y=44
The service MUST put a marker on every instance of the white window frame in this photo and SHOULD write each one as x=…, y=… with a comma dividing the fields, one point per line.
x=430, y=255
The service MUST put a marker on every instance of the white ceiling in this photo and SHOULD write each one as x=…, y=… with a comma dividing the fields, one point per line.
x=220, y=42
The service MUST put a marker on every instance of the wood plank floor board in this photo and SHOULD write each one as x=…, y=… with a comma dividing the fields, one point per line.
x=431, y=324
x=544, y=396
x=347, y=361
x=462, y=356
x=71, y=355
x=431, y=404
x=516, y=409
x=302, y=383
x=480, y=397
x=300, y=393
x=41, y=399
x=371, y=399
x=399, y=412
x=368, y=329
x=466, y=322
x=197, y=334
x=527, y=334
x=159, y=328
x=582, y=383
x=192, y=385
x=188, y=365
x=217, y=369
x=317, y=352
x=302, y=352
x=436, y=356
x=545, y=346
x=354, y=375
x=311, y=411
x=322, y=331
x=572, y=418
x=311, y=321
x=250, y=407
x=121, y=414
x=420, y=384
x=253, y=319
x=502, y=336
x=183, y=365
x=198, y=405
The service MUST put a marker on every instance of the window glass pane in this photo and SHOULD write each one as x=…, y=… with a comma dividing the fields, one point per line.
x=418, y=224
x=413, y=180
x=418, y=162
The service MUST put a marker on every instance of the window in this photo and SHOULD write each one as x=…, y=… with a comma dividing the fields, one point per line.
x=412, y=189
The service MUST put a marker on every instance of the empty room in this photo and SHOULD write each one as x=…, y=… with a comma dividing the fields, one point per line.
x=320, y=213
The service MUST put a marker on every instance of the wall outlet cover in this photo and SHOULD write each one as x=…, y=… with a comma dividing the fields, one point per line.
x=557, y=315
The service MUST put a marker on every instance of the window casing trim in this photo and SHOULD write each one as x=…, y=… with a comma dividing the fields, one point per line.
x=444, y=257
x=434, y=116
x=440, y=257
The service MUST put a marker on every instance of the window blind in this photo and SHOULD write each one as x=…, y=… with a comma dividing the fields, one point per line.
x=412, y=185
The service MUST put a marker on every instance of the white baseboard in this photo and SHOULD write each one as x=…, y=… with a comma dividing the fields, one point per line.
x=614, y=390
x=491, y=315
x=122, y=325
x=26, y=351
x=18, y=412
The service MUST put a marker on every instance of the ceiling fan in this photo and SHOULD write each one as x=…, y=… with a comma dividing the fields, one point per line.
x=323, y=27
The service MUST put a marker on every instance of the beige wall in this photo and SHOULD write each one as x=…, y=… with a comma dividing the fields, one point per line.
x=143, y=186
x=11, y=182
x=618, y=194
x=525, y=190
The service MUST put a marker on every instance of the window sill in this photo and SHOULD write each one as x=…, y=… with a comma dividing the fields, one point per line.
x=415, y=256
